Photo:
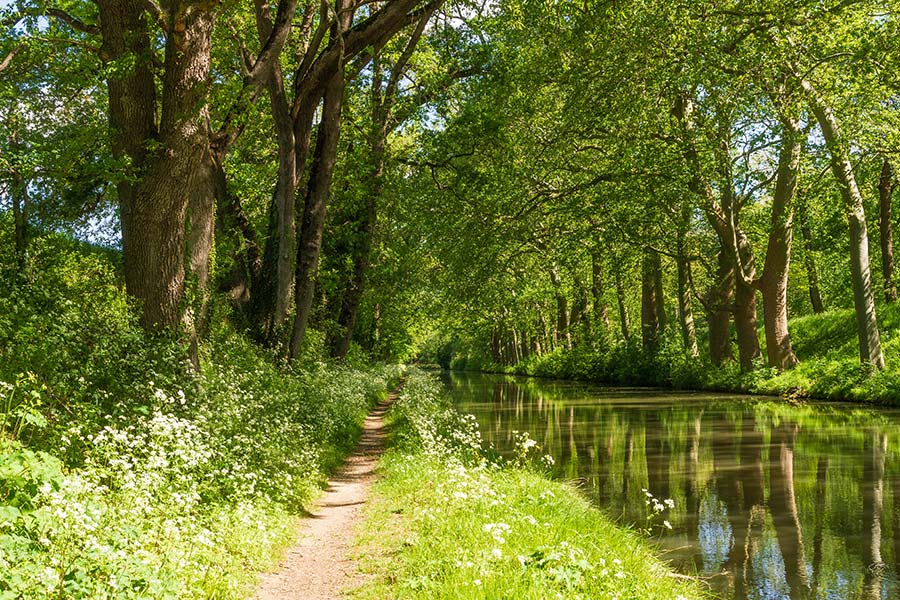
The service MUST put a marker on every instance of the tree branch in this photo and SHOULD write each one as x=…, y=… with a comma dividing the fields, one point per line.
x=73, y=22
x=9, y=57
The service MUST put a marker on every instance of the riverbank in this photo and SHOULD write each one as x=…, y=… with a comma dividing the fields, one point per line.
x=825, y=344
x=446, y=521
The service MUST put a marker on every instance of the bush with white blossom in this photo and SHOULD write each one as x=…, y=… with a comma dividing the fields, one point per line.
x=182, y=494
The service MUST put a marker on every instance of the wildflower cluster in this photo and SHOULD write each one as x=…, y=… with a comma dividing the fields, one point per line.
x=528, y=453
x=180, y=494
x=433, y=426
x=657, y=509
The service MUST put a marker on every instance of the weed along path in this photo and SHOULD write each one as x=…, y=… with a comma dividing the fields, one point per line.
x=317, y=566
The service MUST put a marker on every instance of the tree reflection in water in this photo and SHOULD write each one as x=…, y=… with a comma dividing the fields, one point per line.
x=771, y=501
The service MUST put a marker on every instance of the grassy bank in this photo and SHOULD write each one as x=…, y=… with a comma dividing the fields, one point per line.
x=125, y=475
x=448, y=522
x=825, y=344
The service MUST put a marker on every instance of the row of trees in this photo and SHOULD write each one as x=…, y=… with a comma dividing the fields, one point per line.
x=208, y=129
x=620, y=143
x=506, y=173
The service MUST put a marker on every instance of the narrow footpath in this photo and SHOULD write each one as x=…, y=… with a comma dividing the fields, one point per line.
x=317, y=566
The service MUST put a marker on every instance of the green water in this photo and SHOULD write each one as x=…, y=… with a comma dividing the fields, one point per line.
x=770, y=501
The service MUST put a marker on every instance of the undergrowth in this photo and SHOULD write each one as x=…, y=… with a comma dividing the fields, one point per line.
x=125, y=475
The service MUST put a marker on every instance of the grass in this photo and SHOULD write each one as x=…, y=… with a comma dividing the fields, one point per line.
x=445, y=522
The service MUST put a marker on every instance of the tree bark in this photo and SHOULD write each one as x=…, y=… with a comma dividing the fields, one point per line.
x=367, y=216
x=886, y=185
x=132, y=120
x=579, y=314
x=722, y=294
x=658, y=294
x=280, y=252
x=745, y=306
x=201, y=235
x=269, y=289
x=809, y=262
x=624, y=324
x=720, y=298
x=562, y=331
x=20, y=206
x=774, y=282
x=684, y=290
x=599, y=308
x=863, y=296
x=310, y=241
x=285, y=189
x=153, y=246
x=651, y=324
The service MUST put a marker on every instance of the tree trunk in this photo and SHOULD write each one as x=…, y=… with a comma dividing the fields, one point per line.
x=651, y=324
x=154, y=251
x=812, y=273
x=353, y=293
x=684, y=285
x=163, y=161
x=720, y=298
x=863, y=295
x=366, y=218
x=885, y=189
x=20, y=206
x=579, y=314
x=280, y=251
x=270, y=290
x=745, y=307
x=545, y=331
x=247, y=270
x=599, y=309
x=774, y=282
x=620, y=300
x=310, y=243
x=658, y=292
x=201, y=232
x=562, y=311
x=285, y=189
x=361, y=249
x=132, y=119
x=495, y=347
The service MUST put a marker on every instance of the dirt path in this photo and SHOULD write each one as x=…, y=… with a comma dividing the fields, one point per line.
x=317, y=567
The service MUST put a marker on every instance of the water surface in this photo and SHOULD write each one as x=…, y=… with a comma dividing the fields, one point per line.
x=771, y=501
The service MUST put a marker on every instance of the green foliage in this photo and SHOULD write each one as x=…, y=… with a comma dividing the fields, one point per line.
x=123, y=474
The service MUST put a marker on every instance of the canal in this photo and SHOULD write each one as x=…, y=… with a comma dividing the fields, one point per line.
x=771, y=501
